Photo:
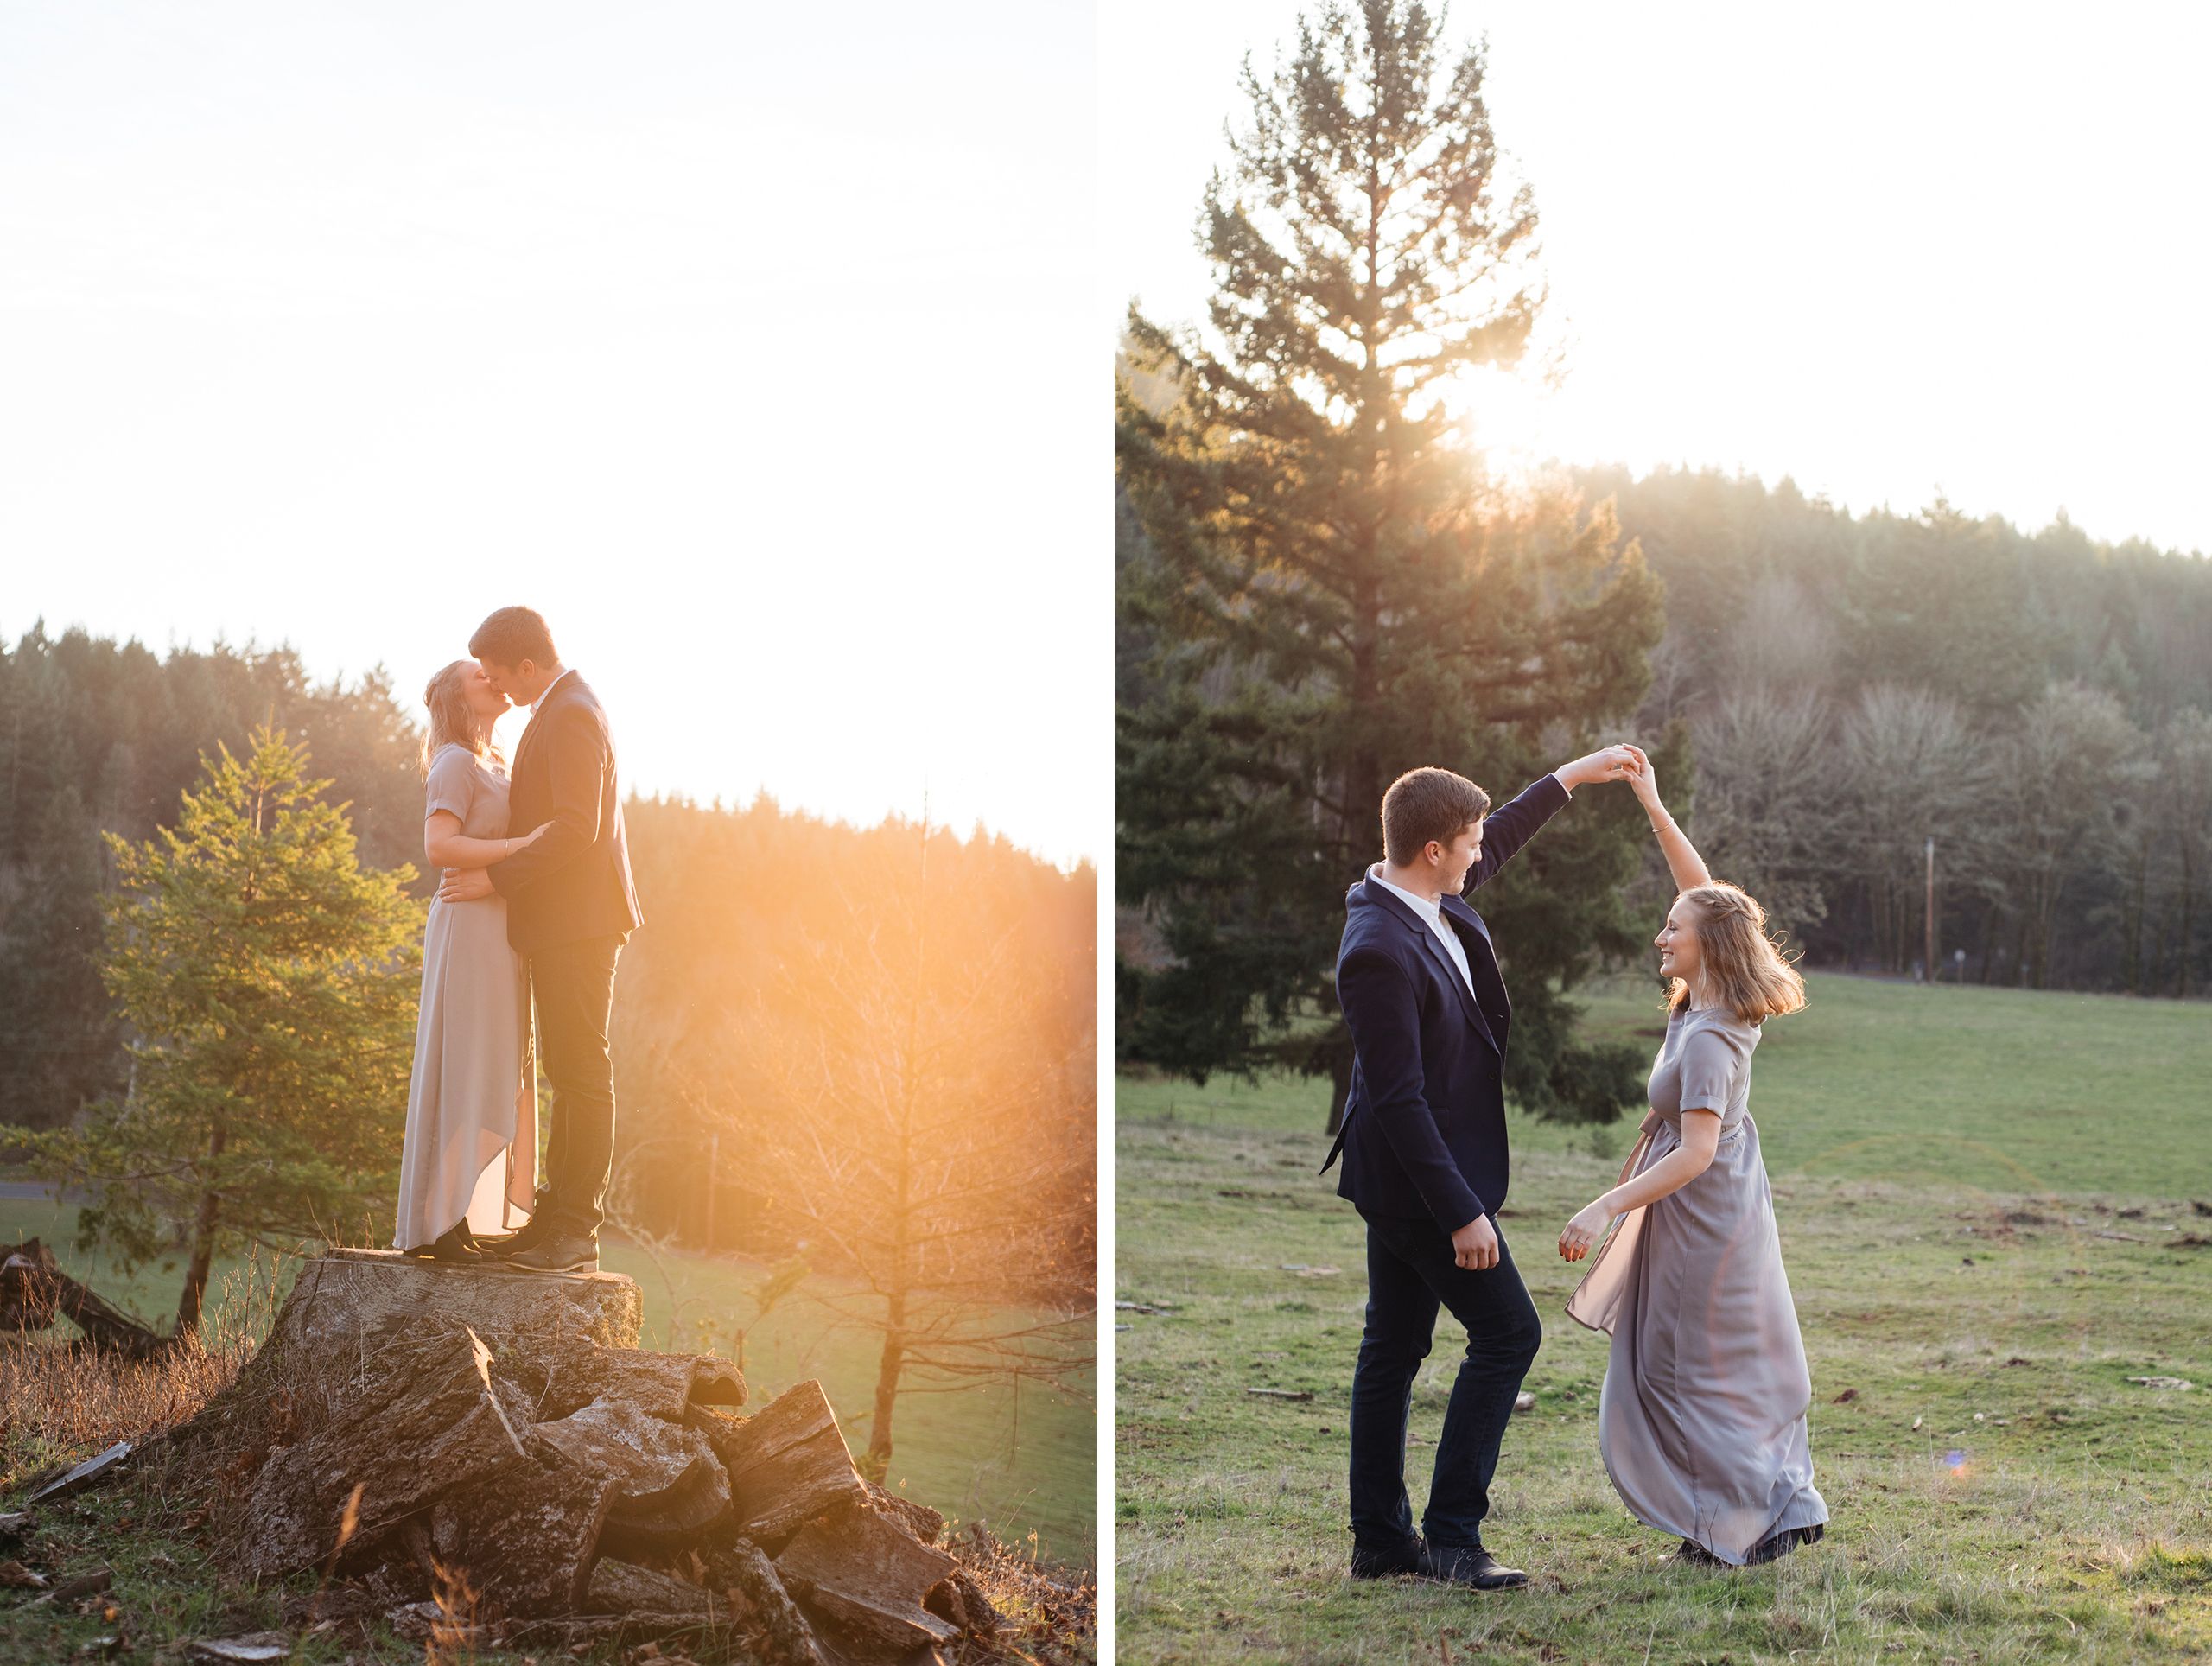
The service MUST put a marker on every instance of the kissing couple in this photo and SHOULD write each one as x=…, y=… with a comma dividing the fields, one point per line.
x=521, y=917
x=1702, y=1421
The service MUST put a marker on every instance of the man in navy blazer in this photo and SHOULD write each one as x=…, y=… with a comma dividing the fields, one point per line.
x=1423, y=1142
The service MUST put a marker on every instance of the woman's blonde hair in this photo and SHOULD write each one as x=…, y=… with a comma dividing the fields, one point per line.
x=1743, y=965
x=452, y=721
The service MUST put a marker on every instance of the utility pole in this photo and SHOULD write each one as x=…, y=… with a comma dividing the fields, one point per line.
x=1930, y=962
x=713, y=1178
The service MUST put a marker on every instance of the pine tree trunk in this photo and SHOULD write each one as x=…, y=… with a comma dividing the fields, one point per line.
x=203, y=1249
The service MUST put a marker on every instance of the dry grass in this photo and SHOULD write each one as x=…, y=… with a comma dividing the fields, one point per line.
x=59, y=1400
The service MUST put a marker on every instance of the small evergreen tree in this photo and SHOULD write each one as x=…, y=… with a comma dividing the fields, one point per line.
x=269, y=983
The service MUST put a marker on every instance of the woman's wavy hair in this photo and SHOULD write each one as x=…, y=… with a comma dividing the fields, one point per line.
x=452, y=721
x=1743, y=966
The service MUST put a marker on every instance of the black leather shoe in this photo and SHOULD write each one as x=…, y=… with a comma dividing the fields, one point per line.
x=1695, y=1555
x=457, y=1248
x=559, y=1251
x=1386, y=1561
x=527, y=1235
x=1469, y=1566
x=1782, y=1544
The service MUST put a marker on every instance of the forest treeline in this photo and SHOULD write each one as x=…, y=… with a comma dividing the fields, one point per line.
x=1852, y=686
x=2039, y=704
x=884, y=1040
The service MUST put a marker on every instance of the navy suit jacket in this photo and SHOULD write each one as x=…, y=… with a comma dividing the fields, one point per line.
x=574, y=882
x=1424, y=1127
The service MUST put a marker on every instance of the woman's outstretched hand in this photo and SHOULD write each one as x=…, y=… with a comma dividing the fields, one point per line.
x=1585, y=1229
x=1642, y=779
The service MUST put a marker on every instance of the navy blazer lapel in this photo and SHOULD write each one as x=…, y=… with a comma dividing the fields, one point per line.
x=1440, y=955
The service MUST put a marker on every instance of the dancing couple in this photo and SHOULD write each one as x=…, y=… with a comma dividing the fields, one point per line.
x=538, y=918
x=1702, y=1421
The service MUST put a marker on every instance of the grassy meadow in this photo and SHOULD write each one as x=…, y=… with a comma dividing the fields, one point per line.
x=1995, y=1207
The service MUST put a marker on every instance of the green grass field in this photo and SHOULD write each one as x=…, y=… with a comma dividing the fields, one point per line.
x=1025, y=1464
x=1996, y=1208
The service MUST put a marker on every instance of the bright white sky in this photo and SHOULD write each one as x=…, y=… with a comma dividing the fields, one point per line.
x=751, y=344
x=1883, y=248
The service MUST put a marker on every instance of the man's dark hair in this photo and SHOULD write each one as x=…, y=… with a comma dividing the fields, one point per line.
x=1428, y=803
x=512, y=635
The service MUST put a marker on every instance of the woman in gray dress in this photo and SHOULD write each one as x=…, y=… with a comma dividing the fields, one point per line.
x=471, y=1152
x=1702, y=1421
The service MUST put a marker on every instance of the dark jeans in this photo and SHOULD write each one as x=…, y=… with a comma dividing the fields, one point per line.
x=1410, y=1272
x=573, y=986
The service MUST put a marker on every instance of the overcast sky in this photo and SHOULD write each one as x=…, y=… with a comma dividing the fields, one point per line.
x=752, y=345
x=1885, y=250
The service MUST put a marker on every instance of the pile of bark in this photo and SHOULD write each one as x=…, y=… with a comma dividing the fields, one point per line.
x=486, y=1457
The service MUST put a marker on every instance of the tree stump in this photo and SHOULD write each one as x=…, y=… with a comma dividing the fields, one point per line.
x=421, y=1429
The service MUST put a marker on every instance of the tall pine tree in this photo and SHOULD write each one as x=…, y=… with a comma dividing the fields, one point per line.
x=271, y=981
x=1332, y=591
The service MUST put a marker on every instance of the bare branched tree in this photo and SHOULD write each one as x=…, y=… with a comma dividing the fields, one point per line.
x=933, y=1139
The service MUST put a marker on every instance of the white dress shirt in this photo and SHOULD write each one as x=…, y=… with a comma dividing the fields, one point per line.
x=547, y=690
x=1431, y=910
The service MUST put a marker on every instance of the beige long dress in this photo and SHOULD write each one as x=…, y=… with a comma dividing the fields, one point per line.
x=471, y=1150
x=1701, y=1420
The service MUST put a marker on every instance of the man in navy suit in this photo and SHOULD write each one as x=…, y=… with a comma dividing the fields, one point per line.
x=1425, y=1160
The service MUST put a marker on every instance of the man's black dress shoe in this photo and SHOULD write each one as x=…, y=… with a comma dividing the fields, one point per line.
x=1782, y=1544
x=1387, y=1562
x=1695, y=1555
x=528, y=1235
x=560, y=1250
x=1470, y=1566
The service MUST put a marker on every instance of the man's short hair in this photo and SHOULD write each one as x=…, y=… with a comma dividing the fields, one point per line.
x=512, y=635
x=1428, y=803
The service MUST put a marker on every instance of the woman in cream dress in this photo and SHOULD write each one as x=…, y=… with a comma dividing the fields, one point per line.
x=470, y=1159
x=1701, y=1420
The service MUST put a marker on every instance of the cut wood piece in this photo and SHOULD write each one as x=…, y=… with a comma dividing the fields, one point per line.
x=255, y=1646
x=920, y=1521
x=667, y=1480
x=866, y=1580
x=787, y=1465
x=960, y=1601
x=577, y=1371
x=82, y=1474
x=431, y=1420
x=621, y=1587
x=527, y=1541
x=785, y=1637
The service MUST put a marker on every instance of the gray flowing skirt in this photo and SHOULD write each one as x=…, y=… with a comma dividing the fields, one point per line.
x=471, y=1105
x=1701, y=1420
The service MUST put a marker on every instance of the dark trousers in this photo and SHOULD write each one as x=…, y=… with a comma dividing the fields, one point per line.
x=573, y=986
x=1410, y=1273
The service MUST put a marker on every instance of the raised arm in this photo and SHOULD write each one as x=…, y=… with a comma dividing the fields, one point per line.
x=1507, y=828
x=1683, y=859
